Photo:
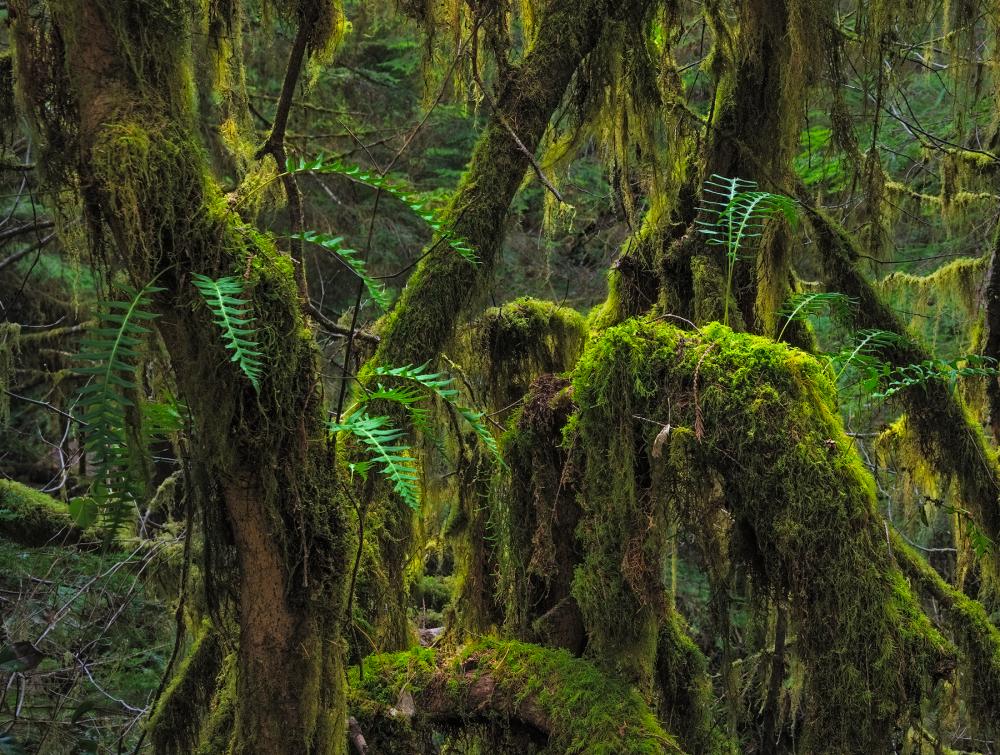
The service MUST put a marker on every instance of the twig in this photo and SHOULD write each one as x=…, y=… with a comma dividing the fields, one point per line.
x=339, y=330
x=275, y=146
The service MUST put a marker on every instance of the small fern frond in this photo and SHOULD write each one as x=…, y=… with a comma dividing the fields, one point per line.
x=435, y=382
x=435, y=220
x=936, y=370
x=225, y=298
x=440, y=385
x=351, y=258
x=107, y=400
x=864, y=352
x=387, y=450
x=801, y=306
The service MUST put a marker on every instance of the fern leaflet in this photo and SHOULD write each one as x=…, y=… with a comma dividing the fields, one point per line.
x=225, y=299
x=352, y=259
x=387, y=450
x=434, y=219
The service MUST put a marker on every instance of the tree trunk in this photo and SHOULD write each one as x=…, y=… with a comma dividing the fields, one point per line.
x=445, y=287
x=264, y=473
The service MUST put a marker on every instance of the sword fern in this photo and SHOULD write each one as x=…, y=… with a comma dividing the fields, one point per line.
x=113, y=351
x=733, y=212
x=225, y=298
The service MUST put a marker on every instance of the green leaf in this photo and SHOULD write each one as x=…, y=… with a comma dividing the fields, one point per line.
x=84, y=511
x=225, y=298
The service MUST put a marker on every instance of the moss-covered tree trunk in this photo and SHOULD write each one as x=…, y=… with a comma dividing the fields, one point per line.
x=263, y=470
x=445, y=287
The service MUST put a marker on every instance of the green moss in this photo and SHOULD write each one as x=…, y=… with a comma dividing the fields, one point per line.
x=977, y=637
x=514, y=343
x=583, y=709
x=760, y=421
x=534, y=516
x=32, y=518
x=175, y=724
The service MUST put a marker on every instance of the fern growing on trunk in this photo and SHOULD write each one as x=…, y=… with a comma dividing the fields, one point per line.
x=225, y=298
x=106, y=400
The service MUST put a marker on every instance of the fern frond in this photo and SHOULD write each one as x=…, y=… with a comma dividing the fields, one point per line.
x=434, y=219
x=440, y=385
x=801, y=306
x=386, y=449
x=225, y=299
x=352, y=260
x=869, y=343
x=107, y=399
x=436, y=382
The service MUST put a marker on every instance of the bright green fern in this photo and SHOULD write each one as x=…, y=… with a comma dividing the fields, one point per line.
x=387, y=450
x=352, y=259
x=386, y=444
x=434, y=219
x=109, y=397
x=733, y=212
x=225, y=297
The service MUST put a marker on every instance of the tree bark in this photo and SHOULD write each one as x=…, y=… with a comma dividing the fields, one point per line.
x=264, y=474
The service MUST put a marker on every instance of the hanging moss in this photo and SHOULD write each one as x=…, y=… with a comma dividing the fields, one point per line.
x=946, y=302
x=764, y=420
x=403, y=699
x=536, y=515
x=976, y=635
x=9, y=337
x=950, y=438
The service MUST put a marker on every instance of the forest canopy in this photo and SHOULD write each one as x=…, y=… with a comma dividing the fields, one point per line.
x=479, y=376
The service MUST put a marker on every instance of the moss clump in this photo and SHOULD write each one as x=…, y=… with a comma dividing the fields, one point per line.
x=758, y=421
x=575, y=706
x=32, y=518
x=513, y=344
x=175, y=724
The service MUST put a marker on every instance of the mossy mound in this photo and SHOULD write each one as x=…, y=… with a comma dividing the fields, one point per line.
x=743, y=434
x=31, y=518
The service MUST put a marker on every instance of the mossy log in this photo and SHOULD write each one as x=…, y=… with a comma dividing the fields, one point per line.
x=564, y=704
x=31, y=518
